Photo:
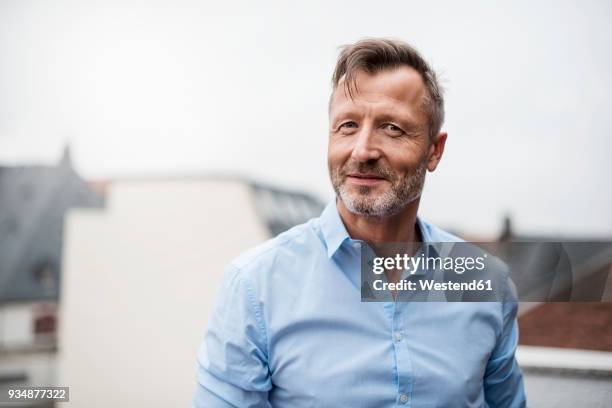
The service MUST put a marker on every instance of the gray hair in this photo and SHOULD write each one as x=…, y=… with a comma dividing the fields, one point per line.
x=376, y=54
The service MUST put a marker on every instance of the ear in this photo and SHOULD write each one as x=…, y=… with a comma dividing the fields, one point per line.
x=436, y=149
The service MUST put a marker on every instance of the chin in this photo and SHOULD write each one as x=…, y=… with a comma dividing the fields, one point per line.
x=369, y=205
x=369, y=192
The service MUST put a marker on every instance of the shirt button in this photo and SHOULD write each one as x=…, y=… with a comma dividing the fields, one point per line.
x=397, y=336
x=403, y=398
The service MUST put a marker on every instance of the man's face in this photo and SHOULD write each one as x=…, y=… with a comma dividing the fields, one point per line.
x=379, y=146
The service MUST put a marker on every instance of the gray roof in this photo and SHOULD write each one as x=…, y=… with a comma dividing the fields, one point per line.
x=557, y=267
x=33, y=202
x=281, y=209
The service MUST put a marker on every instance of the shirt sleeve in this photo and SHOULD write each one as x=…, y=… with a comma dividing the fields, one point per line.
x=503, y=382
x=232, y=368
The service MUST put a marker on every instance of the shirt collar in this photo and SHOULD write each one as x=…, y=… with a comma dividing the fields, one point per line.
x=334, y=231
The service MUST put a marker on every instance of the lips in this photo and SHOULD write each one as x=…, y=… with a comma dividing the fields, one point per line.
x=365, y=179
x=366, y=176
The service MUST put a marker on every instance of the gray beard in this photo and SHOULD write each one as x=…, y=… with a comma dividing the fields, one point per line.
x=389, y=203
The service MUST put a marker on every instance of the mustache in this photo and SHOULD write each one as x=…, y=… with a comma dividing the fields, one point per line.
x=376, y=169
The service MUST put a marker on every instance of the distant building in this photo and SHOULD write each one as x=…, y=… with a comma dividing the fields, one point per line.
x=565, y=344
x=140, y=277
x=33, y=202
x=561, y=315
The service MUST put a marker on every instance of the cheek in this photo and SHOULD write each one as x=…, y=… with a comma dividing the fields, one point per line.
x=405, y=161
x=337, y=153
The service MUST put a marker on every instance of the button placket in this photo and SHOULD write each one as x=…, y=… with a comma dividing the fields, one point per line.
x=404, y=366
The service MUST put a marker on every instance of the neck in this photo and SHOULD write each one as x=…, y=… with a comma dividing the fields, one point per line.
x=400, y=227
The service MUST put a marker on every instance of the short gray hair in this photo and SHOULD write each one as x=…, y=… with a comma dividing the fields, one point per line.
x=376, y=54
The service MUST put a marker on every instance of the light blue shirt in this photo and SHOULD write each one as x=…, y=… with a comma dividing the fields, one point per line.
x=289, y=329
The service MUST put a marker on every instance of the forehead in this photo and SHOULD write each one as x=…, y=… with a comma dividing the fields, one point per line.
x=400, y=90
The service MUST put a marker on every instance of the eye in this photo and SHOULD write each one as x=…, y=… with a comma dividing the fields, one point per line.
x=349, y=124
x=348, y=127
x=392, y=129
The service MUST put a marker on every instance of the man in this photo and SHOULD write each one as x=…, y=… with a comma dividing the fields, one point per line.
x=289, y=328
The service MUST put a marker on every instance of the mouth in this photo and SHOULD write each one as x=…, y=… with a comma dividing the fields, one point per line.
x=365, y=179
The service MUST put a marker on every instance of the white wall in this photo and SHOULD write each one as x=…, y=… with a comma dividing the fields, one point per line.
x=16, y=325
x=138, y=282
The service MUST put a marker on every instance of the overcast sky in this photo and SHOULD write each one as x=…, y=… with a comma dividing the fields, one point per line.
x=182, y=87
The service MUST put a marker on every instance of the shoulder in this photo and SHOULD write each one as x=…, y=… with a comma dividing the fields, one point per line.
x=297, y=242
x=436, y=234
x=495, y=268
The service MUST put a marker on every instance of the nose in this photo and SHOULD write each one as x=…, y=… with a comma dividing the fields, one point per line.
x=365, y=148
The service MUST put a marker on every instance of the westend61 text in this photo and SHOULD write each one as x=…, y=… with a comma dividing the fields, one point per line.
x=428, y=285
